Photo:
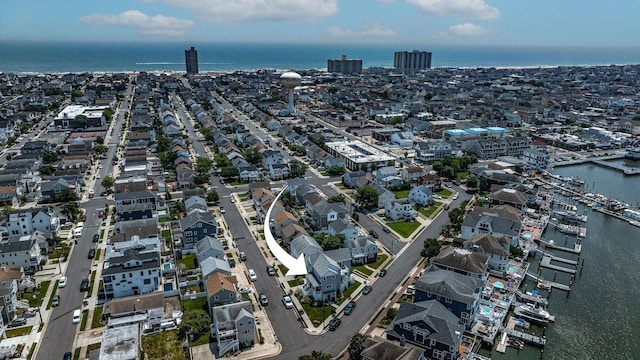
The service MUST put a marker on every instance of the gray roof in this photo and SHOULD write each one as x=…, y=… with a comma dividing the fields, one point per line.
x=304, y=244
x=340, y=255
x=229, y=312
x=121, y=342
x=16, y=244
x=321, y=263
x=460, y=259
x=449, y=284
x=211, y=264
x=132, y=195
x=443, y=325
x=197, y=216
x=498, y=224
x=340, y=225
x=488, y=243
x=208, y=243
x=115, y=265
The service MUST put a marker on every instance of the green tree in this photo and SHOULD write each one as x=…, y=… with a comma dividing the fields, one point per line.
x=229, y=171
x=100, y=149
x=99, y=140
x=336, y=170
x=71, y=210
x=200, y=179
x=472, y=181
x=107, y=182
x=253, y=156
x=212, y=197
x=65, y=195
x=329, y=242
x=221, y=160
x=203, y=165
x=431, y=247
x=49, y=157
x=449, y=172
x=163, y=143
x=288, y=200
x=195, y=322
x=80, y=122
x=336, y=198
x=298, y=149
x=356, y=346
x=108, y=114
x=297, y=169
x=46, y=170
x=366, y=196
x=207, y=134
x=316, y=355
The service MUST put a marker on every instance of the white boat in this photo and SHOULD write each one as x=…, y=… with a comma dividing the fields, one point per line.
x=532, y=313
x=568, y=229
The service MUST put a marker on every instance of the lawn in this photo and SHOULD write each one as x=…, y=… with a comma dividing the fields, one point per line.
x=188, y=260
x=381, y=259
x=18, y=332
x=445, y=193
x=166, y=234
x=283, y=269
x=293, y=283
x=401, y=194
x=404, y=228
x=165, y=345
x=39, y=294
x=428, y=212
x=61, y=251
x=92, y=347
x=97, y=314
x=462, y=175
x=83, y=322
x=195, y=304
x=201, y=340
x=317, y=313
x=363, y=269
x=97, y=256
x=347, y=294
x=243, y=196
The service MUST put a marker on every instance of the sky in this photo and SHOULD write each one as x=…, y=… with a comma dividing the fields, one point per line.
x=446, y=22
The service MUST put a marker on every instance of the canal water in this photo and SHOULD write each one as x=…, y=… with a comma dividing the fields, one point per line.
x=600, y=319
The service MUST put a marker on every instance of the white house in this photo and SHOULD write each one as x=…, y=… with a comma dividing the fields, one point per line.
x=133, y=273
x=25, y=222
x=400, y=209
x=421, y=195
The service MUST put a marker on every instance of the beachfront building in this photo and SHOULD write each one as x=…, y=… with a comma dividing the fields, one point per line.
x=359, y=156
x=344, y=65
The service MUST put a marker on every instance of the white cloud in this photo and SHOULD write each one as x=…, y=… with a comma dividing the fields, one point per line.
x=230, y=11
x=467, y=30
x=144, y=24
x=370, y=29
x=473, y=9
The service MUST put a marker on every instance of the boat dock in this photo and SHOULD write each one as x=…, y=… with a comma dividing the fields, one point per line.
x=536, y=299
x=546, y=263
x=552, y=284
x=577, y=247
x=510, y=330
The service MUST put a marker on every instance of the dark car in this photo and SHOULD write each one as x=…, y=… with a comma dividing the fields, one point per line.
x=374, y=234
x=367, y=289
x=67, y=356
x=91, y=254
x=386, y=229
x=96, y=237
x=334, y=323
x=383, y=272
x=271, y=270
x=84, y=284
x=349, y=308
x=19, y=321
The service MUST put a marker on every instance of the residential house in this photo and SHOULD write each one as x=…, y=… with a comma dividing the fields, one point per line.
x=233, y=325
x=462, y=261
x=503, y=220
x=343, y=227
x=279, y=171
x=304, y=244
x=508, y=196
x=145, y=310
x=325, y=212
x=496, y=248
x=325, y=278
x=432, y=150
x=51, y=188
x=185, y=176
x=10, y=279
x=248, y=173
x=400, y=210
x=221, y=289
x=196, y=226
x=430, y=325
x=271, y=157
x=135, y=211
x=363, y=249
x=383, y=173
x=195, y=203
x=412, y=173
x=421, y=195
x=457, y=292
x=133, y=273
x=211, y=265
x=291, y=232
x=27, y=221
x=280, y=220
x=351, y=178
x=209, y=247
x=135, y=197
x=403, y=139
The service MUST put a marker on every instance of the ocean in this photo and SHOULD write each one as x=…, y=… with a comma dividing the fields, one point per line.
x=55, y=57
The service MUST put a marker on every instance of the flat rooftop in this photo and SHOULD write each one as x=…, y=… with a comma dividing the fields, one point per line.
x=359, y=152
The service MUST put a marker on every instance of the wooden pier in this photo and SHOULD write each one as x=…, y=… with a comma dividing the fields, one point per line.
x=546, y=263
x=552, y=284
x=536, y=299
x=528, y=338
x=577, y=247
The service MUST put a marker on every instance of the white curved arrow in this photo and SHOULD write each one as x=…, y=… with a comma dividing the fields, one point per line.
x=295, y=266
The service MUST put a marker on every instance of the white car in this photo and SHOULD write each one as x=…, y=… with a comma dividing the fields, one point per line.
x=252, y=275
x=286, y=300
x=63, y=282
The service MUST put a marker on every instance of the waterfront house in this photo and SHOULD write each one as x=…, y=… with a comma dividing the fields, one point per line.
x=462, y=261
x=496, y=248
x=457, y=292
x=508, y=196
x=502, y=220
x=429, y=325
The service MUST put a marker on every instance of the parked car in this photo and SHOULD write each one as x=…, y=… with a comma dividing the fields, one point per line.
x=271, y=270
x=334, y=323
x=96, y=237
x=286, y=300
x=67, y=356
x=374, y=234
x=252, y=275
x=63, y=282
x=243, y=256
x=29, y=314
x=263, y=300
x=367, y=289
x=91, y=254
x=56, y=300
x=77, y=314
x=19, y=321
x=383, y=272
x=349, y=308
x=386, y=229
x=101, y=214
x=84, y=284
x=245, y=290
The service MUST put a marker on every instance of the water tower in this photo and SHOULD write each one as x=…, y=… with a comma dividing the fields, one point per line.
x=290, y=80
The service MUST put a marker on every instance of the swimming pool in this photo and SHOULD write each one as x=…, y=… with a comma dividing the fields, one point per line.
x=485, y=310
x=511, y=269
x=527, y=235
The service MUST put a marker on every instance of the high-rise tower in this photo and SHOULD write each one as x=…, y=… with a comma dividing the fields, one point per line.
x=414, y=60
x=191, y=60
